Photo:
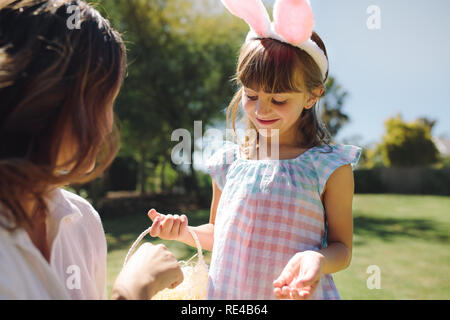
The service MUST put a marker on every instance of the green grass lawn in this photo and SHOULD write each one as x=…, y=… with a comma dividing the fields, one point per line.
x=406, y=237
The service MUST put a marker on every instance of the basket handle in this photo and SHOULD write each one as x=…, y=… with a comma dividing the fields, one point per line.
x=199, y=247
x=143, y=234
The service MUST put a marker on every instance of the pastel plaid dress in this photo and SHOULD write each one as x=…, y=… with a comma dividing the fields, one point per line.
x=268, y=211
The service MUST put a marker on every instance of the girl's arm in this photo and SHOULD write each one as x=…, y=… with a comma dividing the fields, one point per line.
x=170, y=227
x=337, y=200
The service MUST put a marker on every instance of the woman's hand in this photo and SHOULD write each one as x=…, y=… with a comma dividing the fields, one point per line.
x=168, y=227
x=150, y=269
x=300, y=278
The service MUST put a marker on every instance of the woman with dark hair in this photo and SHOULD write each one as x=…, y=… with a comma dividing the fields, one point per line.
x=58, y=84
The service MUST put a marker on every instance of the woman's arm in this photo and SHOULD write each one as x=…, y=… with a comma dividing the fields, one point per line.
x=337, y=200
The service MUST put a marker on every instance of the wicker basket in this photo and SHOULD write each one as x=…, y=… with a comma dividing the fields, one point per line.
x=195, y=274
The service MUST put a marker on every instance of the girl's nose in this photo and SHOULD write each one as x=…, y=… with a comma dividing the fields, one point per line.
x=262, y=108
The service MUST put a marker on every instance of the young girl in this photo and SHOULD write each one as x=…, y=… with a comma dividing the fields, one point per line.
x=281, y=221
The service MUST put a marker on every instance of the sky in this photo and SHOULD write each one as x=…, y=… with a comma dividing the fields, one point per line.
x=400, y=68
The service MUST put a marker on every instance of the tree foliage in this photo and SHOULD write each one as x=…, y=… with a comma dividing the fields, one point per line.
x=408, y=144
x=180, y=62
x=182, y=55
x=334, y=101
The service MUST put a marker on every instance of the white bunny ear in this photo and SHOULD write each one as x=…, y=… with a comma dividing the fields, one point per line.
x=293, y=20
x=253, y=12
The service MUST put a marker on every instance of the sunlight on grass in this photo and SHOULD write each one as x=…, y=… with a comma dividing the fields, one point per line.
x=407, y=237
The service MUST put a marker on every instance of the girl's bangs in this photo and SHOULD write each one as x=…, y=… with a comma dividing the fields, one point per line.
x=270, y=66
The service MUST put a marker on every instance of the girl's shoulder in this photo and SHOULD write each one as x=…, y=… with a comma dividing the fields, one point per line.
x=330, y=154
x=219, y=158
x=221, y=153
x=325, y=159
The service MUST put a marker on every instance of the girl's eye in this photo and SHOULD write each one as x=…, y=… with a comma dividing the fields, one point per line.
x=279, y=103
x=253, y=98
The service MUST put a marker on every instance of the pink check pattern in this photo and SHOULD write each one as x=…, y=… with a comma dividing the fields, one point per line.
x=269, y=210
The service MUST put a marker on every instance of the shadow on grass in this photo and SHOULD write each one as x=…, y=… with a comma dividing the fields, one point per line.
x=125, y=219
x=389, y=229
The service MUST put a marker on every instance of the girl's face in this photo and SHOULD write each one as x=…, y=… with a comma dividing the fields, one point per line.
x=276, y=112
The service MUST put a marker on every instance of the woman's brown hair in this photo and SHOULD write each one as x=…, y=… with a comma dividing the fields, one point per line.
x=277, y=67
x=60, y=72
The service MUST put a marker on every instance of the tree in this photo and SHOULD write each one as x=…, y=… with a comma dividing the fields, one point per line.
x=332, y=114
x=408, y=144
x=182, y=55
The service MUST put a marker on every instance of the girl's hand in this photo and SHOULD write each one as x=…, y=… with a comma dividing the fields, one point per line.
x=150, y=269
x=300, y=278
x=168, y=227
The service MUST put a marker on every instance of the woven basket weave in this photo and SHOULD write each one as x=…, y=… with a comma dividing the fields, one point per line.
x=195, y=274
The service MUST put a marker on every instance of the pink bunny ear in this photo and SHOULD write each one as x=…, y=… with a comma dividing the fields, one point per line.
x=293, y=20
x=253, y=12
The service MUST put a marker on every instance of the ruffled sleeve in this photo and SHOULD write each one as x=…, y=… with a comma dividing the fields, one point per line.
x=221, y=160
x=327, y=160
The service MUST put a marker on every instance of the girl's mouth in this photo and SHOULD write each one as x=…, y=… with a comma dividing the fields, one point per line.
x=267, y=122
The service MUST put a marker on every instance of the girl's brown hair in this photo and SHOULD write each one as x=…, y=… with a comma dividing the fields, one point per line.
x=60, y=71
x=276, y=67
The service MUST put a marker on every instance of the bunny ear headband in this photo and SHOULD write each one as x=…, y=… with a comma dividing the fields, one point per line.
x=293, y=24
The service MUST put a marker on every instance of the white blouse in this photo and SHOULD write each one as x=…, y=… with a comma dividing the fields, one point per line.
x=77, y=268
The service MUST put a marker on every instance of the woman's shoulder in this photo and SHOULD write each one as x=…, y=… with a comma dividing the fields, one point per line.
x=77, y=203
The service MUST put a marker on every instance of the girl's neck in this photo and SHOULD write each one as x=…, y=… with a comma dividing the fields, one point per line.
x=286, y=140
x=267, y=148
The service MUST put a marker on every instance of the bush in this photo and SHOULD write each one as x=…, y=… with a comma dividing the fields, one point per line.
x=368, y=181
x=402, y=180
x=436, y=181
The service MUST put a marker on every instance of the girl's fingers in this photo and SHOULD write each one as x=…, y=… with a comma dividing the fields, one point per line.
x=184, y=224
x=155, y=228
x=295, y=295
x=305, y=294
x=285, y=291
x=308, y=291
x=152, y=214
x=290, y=292
x=304, y=282
x=307, y=278
x=288, y=274
x=279, y=294
x=285, y=278
x=167, y=225
x=176, y=226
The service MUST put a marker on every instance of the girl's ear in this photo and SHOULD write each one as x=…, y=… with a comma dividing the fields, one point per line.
x=314, y=96
x=293, y=20
x=251, y=11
